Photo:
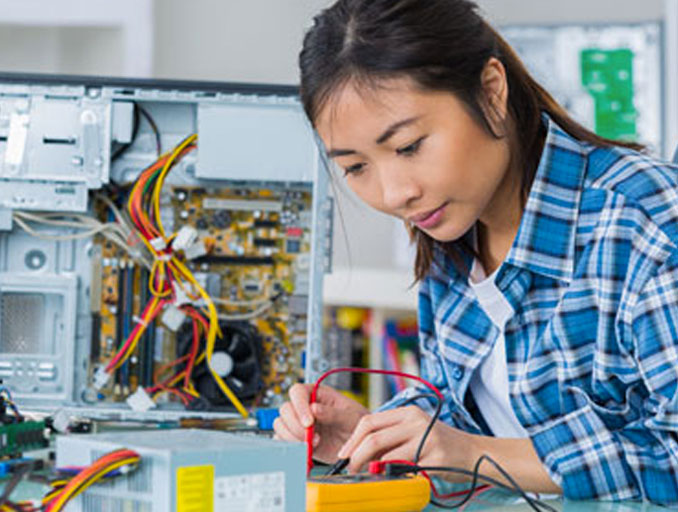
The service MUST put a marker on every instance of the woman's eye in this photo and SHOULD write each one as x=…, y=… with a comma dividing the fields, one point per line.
x=353, y=169
x=410, y=149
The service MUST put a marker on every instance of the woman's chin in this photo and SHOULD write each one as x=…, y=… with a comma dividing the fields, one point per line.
x=446, y=232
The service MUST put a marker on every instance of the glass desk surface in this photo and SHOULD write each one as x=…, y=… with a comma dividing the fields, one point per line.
x=501, y=501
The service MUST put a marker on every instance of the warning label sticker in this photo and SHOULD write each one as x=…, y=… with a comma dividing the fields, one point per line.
x=194, y=489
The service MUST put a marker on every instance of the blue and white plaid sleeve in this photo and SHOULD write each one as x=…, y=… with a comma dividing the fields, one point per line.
x=590, y=458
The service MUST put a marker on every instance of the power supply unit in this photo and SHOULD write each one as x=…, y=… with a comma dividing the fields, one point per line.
x=191, y=471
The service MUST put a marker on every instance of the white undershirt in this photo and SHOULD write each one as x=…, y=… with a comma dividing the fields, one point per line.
x=489, y=383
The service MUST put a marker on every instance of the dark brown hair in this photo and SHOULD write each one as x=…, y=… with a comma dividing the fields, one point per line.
x=442, y=45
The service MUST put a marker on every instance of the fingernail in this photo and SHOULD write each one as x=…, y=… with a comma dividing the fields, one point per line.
x=342, y=452
x=316, y=440
x=307, y=421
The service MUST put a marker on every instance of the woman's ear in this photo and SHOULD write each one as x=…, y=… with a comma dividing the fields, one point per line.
x=494, y=99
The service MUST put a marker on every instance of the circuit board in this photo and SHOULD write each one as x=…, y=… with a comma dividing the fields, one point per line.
x=16, y=438
x=253, y=263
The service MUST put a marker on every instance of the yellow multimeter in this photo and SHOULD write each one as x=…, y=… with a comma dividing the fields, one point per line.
x=367, y=493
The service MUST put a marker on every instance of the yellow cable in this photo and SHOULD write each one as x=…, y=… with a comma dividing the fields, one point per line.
x=192, y=392
x=213, y=329
x=65, y=497
x=158, y=183
x=211, y=337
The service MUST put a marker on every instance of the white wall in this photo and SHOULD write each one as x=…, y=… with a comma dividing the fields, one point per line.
x=235, y=40
x=76, y=50
x=258, y=40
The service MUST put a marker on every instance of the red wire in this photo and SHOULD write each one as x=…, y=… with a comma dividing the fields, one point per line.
x=101, y=462
x=140, y=325
x=193, y=354
x=310, y=431
x=190, y=357
x=158, y=385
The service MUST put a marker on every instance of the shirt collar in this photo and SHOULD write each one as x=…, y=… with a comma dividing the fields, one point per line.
x=545, y=242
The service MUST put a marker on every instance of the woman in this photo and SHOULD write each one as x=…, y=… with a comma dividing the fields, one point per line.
x=562, y=364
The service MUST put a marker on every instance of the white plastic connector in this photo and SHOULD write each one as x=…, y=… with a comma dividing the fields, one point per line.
x=101, y=377
x=186, y=237
x=195, y=250
x=158, y=243
x=173, y=317
x=139, y=401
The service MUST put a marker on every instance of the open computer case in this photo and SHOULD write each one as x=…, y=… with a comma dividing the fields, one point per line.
x=162, y=246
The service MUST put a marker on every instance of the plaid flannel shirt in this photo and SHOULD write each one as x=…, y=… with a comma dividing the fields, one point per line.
x=592, y=349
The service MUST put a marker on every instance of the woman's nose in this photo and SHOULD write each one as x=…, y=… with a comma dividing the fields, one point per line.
x=399, y=189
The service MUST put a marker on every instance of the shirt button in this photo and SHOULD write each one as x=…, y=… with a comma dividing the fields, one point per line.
x=458, y=372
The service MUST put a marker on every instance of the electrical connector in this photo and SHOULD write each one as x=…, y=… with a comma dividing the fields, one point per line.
x=186, y=237
x=173, y=317
x=399, y=469
x=101, y=377
x=195, y=250
x=158, y=243
x=375, y=467
x=139, y=401
x=391, y=467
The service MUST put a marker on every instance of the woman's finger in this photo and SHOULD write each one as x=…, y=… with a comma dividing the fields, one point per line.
x=300, y=397
x=281, y=430
x=377, y=443
x=368, y=424
x=405, y=451
x=292, y=422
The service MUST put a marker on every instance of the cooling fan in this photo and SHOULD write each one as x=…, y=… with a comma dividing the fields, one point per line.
x=236, y=359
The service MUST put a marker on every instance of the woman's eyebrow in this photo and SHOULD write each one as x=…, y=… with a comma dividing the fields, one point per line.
x=390, y=132
x=333, y=153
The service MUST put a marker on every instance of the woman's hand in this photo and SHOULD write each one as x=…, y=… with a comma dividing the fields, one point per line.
x=396, y=434
x=334, y=414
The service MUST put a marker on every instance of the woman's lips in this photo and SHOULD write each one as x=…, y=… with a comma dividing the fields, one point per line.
x=430, y=219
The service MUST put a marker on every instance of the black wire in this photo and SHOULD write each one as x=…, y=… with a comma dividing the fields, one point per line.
x=475, y=474
x=429, y=427
x=470, y=491
x=19, y=472
x=135, y=130
x=337, y=467
x=154, y=127
x=138, y=109
x=534, y=503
